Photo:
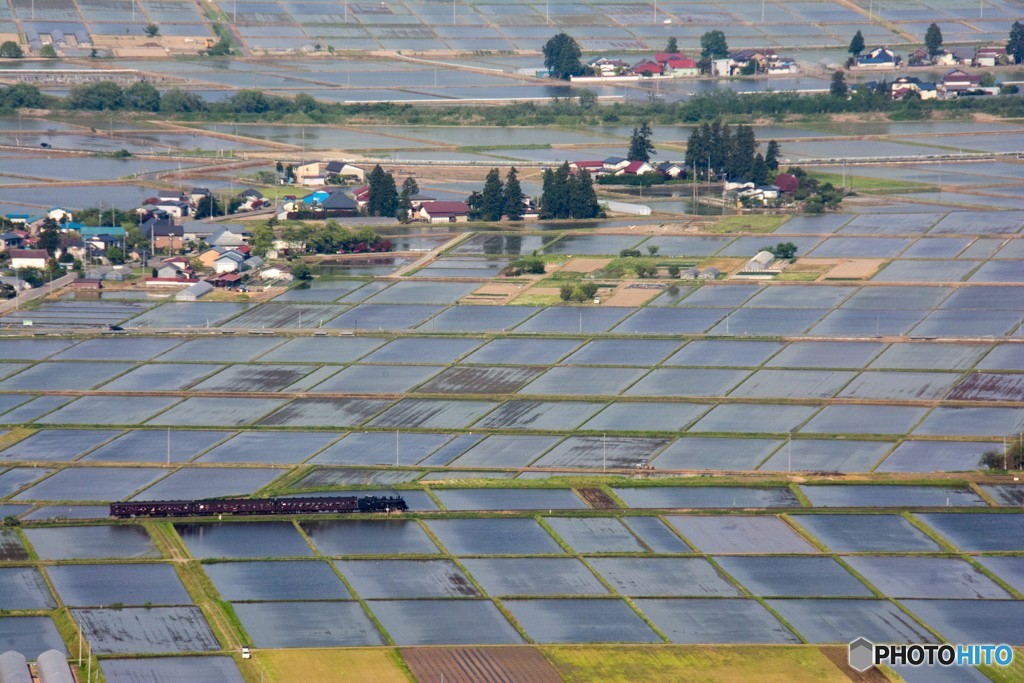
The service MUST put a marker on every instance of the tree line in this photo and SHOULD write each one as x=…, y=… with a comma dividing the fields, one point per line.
x=715, y=150
x=498, y=198
x=568, y=195
x=334, y=238
x=254, y=105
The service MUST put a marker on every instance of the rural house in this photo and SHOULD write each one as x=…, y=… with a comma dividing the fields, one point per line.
x=444, y=212
x=879, y=58
x=28, y=258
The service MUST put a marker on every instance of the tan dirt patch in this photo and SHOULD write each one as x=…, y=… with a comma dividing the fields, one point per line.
x=584, y=265
x=726, y=265
x=860, y=269
x=624, y=296
x=494, y=289
x=812, y=265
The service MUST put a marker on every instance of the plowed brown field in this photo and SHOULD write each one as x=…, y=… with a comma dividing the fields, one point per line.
x=480, y=665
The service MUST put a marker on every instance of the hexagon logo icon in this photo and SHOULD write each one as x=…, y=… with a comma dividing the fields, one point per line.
x=862, y=654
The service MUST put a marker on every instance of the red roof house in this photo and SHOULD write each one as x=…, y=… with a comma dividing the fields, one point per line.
x=637, y=168
x=646, y=67
x=787, y=182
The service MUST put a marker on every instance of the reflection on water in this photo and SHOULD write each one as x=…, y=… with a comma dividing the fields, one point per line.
x=370, y=265
x=116, y=295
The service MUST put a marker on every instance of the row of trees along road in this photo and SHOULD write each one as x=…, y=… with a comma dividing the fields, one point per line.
x=498, y=199
x=716, y=150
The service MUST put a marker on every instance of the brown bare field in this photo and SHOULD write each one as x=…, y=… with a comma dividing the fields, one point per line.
x=726, y=265
x=597, y=499
x=303, y=666
x=148, y=52
x=499, y=289
x=838, y=656
x=859, y=269
x=584, y=265
x=817, y=266
x=624, y=296
x=493, y=293
x=988, y=386
x=480, y=665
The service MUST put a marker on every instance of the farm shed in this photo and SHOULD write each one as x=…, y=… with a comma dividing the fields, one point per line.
x=194, y=292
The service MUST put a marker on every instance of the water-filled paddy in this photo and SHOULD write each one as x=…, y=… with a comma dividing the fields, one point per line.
x=698, y=620
x=90, y=585
x=534, y=576
x=740, y=534
x=365, y=537
x=252, y=540
x=414, y=622
x=406, y=578
x=574, y=621
x=93, y=542
x=493, y=536
x=307, y=624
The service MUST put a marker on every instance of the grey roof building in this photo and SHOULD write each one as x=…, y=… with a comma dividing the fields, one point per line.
x=52, y=667
x=194, y=292
x=14, y=668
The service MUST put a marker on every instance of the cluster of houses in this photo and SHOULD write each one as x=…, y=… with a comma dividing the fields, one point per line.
x=955, y=82
x=775, y=194
x=882, y=58
x=961, y=56
x=764, y=61
x=320, y=173
x=618, y=166
x=223, y=259
x=678, y=65
x=222, y=249
x=336, y=203
x=79, y=241
x=663, y=65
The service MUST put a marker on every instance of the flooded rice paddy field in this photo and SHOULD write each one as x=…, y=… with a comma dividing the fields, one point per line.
x=722, y=373
x=227, y=156
x=656, y=576
x=392, y=386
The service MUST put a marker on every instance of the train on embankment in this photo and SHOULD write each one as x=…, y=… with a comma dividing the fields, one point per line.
x=258, y=506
